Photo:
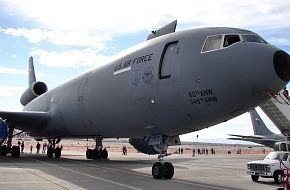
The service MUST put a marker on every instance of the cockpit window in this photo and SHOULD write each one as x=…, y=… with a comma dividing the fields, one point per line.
x=212, y=43
x=253, y=38
x=231, y=39
x=222, y=41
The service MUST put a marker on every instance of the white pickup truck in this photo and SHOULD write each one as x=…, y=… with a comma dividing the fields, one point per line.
x=270, y=166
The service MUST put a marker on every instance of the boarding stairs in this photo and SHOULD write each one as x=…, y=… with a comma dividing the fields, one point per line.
x=278, y=110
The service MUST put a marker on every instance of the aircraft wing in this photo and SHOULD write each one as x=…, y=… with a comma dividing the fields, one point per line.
x=26, y=120
x=246, y=136
x=266, y=142
x=254, y=140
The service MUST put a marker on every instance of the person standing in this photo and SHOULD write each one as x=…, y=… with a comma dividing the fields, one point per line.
x=22, y=146
x=37, y=147
x=31, y=148
x=44, y=148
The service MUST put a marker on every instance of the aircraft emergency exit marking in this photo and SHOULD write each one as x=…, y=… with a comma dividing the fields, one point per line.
x=126, y=65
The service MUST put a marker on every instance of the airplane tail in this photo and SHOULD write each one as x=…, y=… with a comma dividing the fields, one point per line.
x=31, y=72
x=35, y=88
x=259, y=126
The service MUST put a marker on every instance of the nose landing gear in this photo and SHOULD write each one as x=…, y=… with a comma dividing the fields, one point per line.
x=161, y=169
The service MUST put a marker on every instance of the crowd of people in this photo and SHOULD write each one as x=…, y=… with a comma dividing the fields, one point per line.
x=37, y=146
x=201, y=151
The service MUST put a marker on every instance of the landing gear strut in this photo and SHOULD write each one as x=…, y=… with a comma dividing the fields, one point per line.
x=99, y=152
x=161, y=169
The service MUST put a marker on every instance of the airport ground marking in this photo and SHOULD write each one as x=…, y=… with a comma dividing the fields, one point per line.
x=149, y=176
x=135, y=173
x=87, y=175
x=113, y=169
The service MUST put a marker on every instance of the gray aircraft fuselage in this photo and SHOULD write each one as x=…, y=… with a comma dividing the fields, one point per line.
x=165, y=85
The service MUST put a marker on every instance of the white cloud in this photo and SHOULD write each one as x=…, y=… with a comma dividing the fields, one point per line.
x=33, y=35
x=60, y=37
x=91, y=24
x=6, y=91
x=12, y=71
x=72, y=58
x=113, y=17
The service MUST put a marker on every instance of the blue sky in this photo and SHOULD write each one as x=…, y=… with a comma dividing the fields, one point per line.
x=68, y=37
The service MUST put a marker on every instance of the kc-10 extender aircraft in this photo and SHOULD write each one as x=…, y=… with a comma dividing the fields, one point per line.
x=171, y=84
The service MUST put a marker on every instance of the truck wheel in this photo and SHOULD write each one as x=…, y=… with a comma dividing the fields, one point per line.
x=278, y=177
x=255, y=177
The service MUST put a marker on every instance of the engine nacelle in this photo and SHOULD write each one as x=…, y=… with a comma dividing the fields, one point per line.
x=35, y=90
x=141, y=145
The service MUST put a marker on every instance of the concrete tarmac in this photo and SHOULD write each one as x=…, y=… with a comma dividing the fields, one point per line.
x=132, y=171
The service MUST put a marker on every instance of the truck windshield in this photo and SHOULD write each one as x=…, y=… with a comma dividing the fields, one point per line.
x=277, y=156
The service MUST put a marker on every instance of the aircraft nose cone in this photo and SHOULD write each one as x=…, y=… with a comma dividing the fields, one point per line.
x=281, y=62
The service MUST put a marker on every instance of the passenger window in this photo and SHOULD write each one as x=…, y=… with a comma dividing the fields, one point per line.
x=231, y=39
x=212, y=43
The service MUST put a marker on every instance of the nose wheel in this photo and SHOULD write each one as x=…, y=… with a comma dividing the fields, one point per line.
x=162, y=170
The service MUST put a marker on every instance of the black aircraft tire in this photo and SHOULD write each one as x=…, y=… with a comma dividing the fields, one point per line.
x=89, y=153
x=57, y=153
x=255, y=177
x=94, y=154
x=15, y=151
x=3, y=150
x=50, y=152
x=104, y=154
x=168, y=170
x=157, y=170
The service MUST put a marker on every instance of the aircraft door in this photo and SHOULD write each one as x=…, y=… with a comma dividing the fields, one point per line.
x=168, y=59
